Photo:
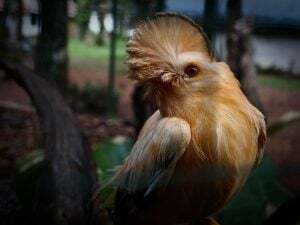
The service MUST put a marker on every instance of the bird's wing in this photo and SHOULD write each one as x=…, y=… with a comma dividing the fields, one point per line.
x=151, y=163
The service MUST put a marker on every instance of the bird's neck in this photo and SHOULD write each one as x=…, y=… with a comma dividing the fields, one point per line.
x=174, y=104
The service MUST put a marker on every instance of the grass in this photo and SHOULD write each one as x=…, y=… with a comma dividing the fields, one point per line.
x=280, y=83
x=83, y=55
x=83, y=51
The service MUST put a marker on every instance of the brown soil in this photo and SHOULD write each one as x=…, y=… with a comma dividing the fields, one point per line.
x=80, y=77
x=284, y=146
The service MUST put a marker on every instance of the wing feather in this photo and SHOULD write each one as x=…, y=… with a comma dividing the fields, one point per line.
x=151, y=163
x=149, y=167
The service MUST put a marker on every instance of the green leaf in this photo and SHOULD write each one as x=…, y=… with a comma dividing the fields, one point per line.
x=29, y=170
x=29, y=160
x=111, y=153
x=109, y=156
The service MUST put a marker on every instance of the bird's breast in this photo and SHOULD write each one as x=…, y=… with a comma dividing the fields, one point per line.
x=206, y=177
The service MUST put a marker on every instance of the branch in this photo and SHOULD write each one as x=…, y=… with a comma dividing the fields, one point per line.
x=286, y=120
x=68, y=181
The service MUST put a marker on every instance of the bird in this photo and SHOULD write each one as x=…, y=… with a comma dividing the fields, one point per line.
x=195, y=152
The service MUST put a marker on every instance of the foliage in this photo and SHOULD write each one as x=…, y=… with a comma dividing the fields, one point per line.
x=33, y=158
x=248, y=207
x=261, y=188
x=108, y=156
x=91, y=99
x=29, y=169
x=83, y=13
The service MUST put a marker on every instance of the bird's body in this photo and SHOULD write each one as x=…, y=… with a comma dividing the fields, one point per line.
x=197, y=150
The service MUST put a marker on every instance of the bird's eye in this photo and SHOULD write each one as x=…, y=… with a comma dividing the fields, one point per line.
x=191, y=70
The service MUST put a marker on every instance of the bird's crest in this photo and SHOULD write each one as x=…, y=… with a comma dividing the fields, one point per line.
x=155, y=44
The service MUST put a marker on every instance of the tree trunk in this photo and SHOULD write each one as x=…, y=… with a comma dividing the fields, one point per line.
x=51, y=58
x=143, y=9
x=112, y=58
x=141, y=107
x=160, y=6
x=4, y=31
x=100, y=14
x=209, y=20
x=83, y=28
x=20, y=20
x=3, y=19
x=239, y=55
x=83, y=17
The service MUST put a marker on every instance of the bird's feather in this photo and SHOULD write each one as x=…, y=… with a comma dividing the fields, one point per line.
x=159, y=41
x=160, y=144
x=195, y=153
x=151, y=164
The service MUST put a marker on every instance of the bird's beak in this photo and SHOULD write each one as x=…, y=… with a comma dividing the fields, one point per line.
x=174, y=79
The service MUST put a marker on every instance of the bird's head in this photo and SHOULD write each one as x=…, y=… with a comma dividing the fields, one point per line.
x=168, y=49
x=171, y=52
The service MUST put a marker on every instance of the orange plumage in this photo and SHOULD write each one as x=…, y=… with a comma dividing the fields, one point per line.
x=196, y=151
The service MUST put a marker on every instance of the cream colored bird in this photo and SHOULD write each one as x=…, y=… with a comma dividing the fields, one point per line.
x=196, y=151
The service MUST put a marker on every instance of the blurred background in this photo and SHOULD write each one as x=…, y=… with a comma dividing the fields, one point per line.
x=79, y=47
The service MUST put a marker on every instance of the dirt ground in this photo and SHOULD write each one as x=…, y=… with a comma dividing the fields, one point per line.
x=17, y=132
